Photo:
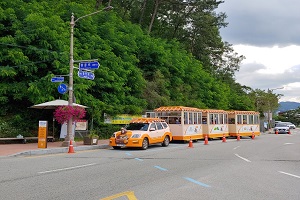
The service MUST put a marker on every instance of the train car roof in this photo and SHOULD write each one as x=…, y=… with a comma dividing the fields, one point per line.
x=176, y=108
x=146, y=120
x=214, y=111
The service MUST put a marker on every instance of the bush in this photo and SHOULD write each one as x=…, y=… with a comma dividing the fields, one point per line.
x=15, y=125
x=106, y=130
x=7, y=130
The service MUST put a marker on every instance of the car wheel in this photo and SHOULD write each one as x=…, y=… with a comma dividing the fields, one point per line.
x=145, y=144
x=166, y=141
x=116, y=147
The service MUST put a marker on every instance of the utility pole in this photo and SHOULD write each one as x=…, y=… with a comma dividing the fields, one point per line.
x=270, y=111
x=70, y=135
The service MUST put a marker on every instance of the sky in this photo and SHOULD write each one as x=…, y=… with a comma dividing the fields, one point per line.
x=267, y=33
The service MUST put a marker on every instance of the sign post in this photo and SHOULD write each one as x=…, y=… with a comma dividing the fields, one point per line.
x=89, y=65
x=57, y=79
x=86, y=75
x=62, y=88
x=42, y=134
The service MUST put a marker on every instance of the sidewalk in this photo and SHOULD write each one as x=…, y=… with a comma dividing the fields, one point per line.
x=29, y=149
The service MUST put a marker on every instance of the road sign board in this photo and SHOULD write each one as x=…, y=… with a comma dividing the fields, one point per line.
x=86, y=75
x=62, y=88
x=57, y=79
x=89, y=65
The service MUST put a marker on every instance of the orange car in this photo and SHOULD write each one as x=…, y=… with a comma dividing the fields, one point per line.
x=142, y=132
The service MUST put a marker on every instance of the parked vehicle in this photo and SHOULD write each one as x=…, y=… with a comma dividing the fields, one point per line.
x=290, y=125
x=281, y=128
x=142, y=132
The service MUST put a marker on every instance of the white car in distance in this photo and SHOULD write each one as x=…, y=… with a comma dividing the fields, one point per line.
x=290, y=125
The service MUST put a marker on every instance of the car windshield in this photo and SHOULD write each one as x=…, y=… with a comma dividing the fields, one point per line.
x=137, y=126
x=281, y=125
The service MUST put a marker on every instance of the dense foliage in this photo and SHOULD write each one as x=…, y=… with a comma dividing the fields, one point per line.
x=290, y=115
x=151, y=53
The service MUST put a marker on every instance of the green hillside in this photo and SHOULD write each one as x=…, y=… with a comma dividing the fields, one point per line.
x=148, y=57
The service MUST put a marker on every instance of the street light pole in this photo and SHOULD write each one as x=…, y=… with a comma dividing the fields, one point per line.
x=70, y=135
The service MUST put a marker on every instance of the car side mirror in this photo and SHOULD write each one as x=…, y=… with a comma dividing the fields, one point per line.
x=152, y=129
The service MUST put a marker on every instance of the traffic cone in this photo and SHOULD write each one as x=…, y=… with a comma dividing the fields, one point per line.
x=206, y=139
x=238, y=137
x=276, y=132
x=71, y=148
x=224, y=138
x=289, y=131
x=253, y=136
x=190, y=143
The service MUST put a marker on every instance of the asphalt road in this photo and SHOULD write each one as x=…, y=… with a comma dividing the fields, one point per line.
x=267, y=167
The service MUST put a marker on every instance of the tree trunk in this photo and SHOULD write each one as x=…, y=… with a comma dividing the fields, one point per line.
x=98, y=4
x=157, y=2
x=142, y=11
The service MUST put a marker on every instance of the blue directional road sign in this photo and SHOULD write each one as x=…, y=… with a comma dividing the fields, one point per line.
x=57, y=79
x=86, y=75
x=62, y=88
x=89, y=65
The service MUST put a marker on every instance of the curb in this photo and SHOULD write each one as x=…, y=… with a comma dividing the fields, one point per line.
x=57, y=150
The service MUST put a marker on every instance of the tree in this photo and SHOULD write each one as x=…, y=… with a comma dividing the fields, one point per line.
x=137, y=71
x=196, y=25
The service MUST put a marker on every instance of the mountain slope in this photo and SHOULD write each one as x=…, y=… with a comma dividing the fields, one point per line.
x=288, y=105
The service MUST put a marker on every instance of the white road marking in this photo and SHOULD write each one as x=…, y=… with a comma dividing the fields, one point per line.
x=242, y=158
x=288, y=143
x=289, y=174
x=236, y=147
x=68, y=168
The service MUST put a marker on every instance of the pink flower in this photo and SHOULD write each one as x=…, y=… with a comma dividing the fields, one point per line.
x=63, y=114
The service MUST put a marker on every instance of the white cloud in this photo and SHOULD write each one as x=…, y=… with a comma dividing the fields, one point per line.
x=270, y=68
x=262, y=23
x=277, y=60
x=267, y=34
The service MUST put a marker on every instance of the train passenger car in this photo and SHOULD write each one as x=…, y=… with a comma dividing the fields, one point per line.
x=215, y=123
x=244, y=123
x=185, y=122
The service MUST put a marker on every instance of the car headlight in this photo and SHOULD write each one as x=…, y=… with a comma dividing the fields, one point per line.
x=136, y=136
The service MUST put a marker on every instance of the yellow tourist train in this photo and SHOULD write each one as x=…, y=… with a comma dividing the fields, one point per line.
x=184, y=122
x=189, y=123
x=244, y=123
